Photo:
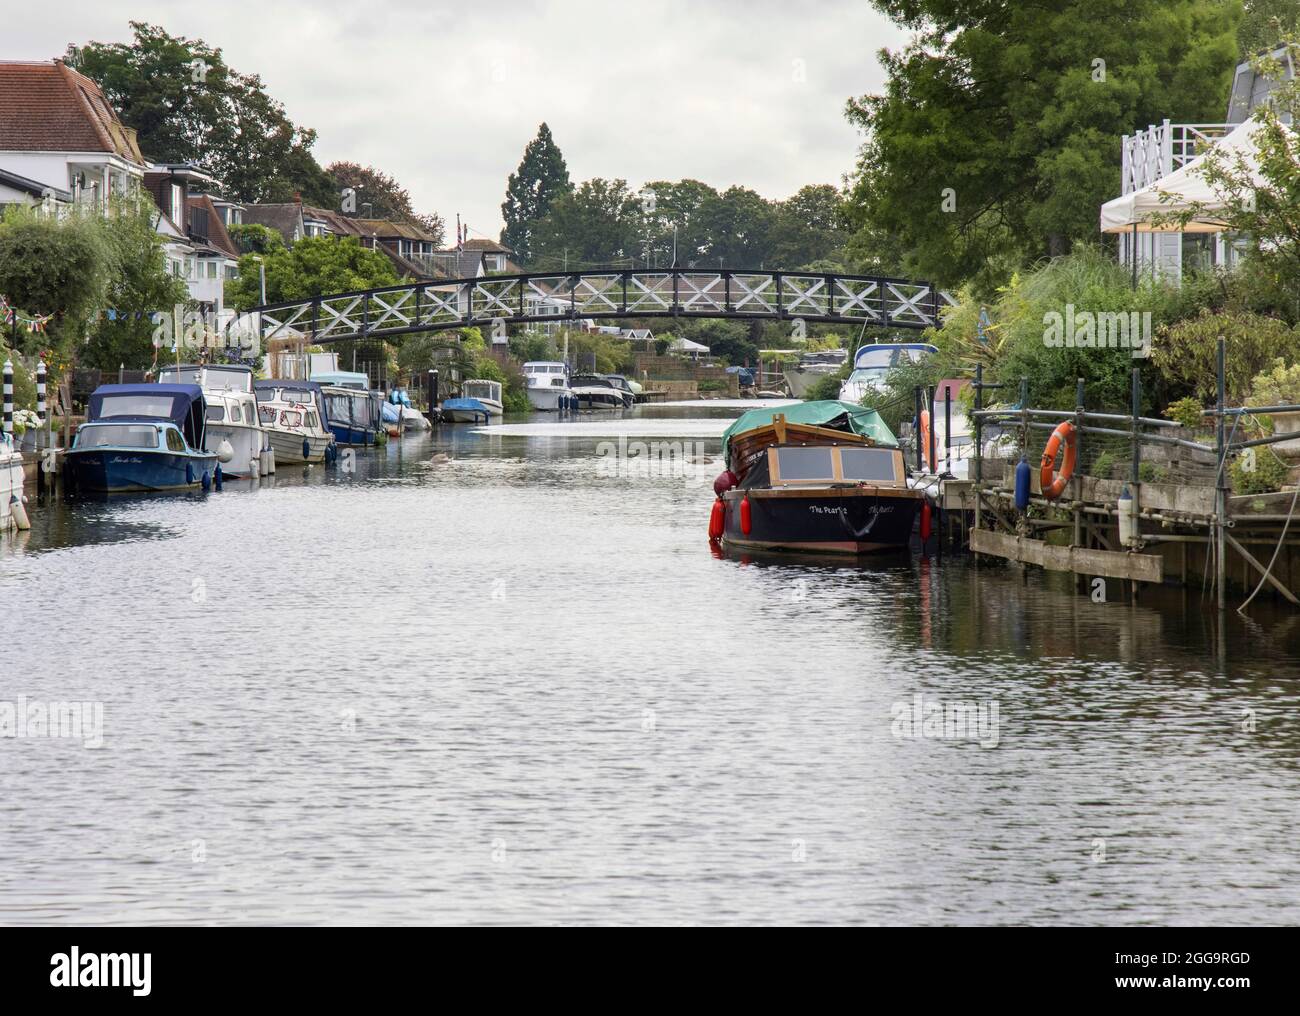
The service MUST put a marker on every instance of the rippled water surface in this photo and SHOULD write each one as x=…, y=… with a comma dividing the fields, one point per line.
x=507, y=686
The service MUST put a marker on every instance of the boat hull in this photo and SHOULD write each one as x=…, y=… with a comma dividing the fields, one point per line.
x=546, y=400
x=859, y=520
x=288, y=447
x=246, y=442
x=599, y=400
x=355, y=437
x=125, y=471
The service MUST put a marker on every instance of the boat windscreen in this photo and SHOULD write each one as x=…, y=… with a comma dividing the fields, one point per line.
x=136, y=405
x=117, y=435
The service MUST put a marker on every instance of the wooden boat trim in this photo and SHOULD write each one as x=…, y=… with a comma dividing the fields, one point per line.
x=865, y=490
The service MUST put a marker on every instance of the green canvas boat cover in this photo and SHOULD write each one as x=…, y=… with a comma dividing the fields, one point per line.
x=826, y=413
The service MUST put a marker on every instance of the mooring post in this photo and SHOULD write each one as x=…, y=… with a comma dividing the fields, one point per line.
x=917, y=434
x=947, y=429
x=1221, y=494
x=934, y=465
x=1024, y=416
x=9, y=397
x=979, y=405
x=1081, y=580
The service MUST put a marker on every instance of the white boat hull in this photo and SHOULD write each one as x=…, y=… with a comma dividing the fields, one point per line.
x=413, y=419
x=11, y=483
x=494, y=411
x=547, y=400
x=288, y=446
x=246, y=442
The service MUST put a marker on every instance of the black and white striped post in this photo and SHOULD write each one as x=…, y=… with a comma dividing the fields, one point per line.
x=9, y=398
x=40, y=391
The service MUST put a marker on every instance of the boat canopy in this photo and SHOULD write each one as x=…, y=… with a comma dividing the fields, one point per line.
x=294, y=385
x=182, y=405
x=343, y=379
x=829, y=413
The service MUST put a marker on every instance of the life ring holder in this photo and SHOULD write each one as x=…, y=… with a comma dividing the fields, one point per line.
x=1052, y=482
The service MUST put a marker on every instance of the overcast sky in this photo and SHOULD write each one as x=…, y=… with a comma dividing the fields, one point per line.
x=444, y=96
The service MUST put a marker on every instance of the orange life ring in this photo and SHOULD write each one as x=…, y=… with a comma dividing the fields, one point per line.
x=1053, y=483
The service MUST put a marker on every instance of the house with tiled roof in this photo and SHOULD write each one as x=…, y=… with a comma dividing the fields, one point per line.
x=406, y=244
x=58, y=131
x=198, y=246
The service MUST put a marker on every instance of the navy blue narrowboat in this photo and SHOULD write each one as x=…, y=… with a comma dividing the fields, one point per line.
x=141, y=438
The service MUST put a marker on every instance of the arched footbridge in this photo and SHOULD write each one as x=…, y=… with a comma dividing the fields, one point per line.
x=746, y=295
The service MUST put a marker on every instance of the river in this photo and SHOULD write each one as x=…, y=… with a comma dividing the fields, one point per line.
x=512, y=684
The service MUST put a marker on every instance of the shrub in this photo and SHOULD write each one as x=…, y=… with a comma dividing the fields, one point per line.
x=1261, y=473
x=1187, y=412
x=1187, y=351
x=1276, y=386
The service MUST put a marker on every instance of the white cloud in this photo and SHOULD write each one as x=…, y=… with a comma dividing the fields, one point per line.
x=445, y=96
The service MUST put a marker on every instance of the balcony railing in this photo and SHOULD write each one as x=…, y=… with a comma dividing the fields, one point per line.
x=1160, y=149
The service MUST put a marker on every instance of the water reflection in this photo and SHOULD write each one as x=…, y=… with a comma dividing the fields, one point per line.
x=476, y=679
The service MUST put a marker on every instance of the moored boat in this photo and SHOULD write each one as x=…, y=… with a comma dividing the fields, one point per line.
x=293, y=416
x=479, y=402
x=233, y=429
x=595, y=391
x=822, y=477
x=12, y=509
x=547, y=384
x=872, y=365
x=141, y=438
x=352, y=414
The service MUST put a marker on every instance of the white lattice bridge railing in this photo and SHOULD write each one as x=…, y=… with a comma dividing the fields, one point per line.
x=874, y=301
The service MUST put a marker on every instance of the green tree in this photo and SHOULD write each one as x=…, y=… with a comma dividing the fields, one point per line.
x=139, y=285
x=997, y=136
x=1266, y=22
x=385, y=196
x=314, y=266
x=809, y=227
x=740, y=225
x=542, y=177
x=188, y=105
x=593, y=225
x=54, y=266
x=254, y=238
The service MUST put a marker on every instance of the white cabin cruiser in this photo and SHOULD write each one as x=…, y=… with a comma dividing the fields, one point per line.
x=547, y=382
x=293, y=416
x=595, y=391
x=872, y=364
x=234, y=430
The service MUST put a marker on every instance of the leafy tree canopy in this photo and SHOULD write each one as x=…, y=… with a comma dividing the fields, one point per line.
x=314, y=266
x=997, y=135
x=188, y=105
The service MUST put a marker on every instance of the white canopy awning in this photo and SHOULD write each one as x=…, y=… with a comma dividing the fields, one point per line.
x=1180, y=190
x=684, y=345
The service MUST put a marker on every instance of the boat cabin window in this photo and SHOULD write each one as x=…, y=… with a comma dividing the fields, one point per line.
x=120, y=435
x=175, y=442
x=311, y=420
x=267, y=414
x=798, y=464
x=235, y=415
x=297, y=396
x=873, y=464
x=803, y=464
x=290, y=418
x=265, y=394
x=136, y=405
x=216, y=413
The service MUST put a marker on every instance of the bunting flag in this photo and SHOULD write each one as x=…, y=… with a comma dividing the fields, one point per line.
x=9, y=315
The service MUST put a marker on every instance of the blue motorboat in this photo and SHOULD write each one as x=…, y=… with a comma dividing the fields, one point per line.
x=142, y=438
x=353, y=414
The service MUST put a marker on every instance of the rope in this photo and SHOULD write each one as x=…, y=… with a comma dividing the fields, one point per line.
x=1276, y=550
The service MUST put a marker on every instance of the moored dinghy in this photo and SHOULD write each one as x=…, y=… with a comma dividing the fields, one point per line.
x=822, y=477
